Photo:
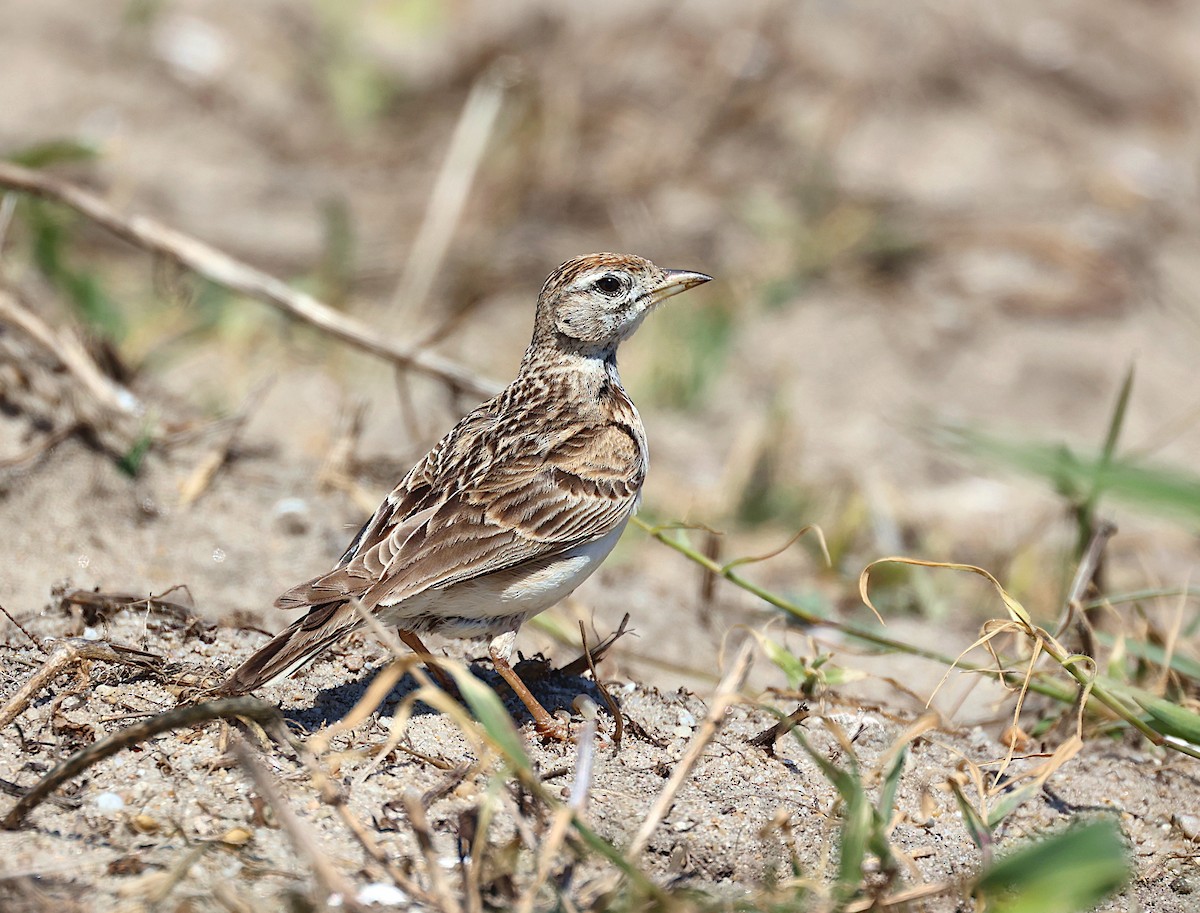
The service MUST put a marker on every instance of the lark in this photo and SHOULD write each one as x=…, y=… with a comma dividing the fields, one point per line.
x=516, y=506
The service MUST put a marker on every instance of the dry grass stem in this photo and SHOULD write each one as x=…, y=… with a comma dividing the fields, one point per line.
x=66, y=653
x=210, y=464
x=337, y=469
x=334, y=797
x=226, y=271
x=20, y=627
x=337, y=889
x=379, y=688
x=727, y=694
x=442, y=895
x=449, y=195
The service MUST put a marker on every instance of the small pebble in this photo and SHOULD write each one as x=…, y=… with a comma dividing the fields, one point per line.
x=292, y=515
x=143, y=824
x=237, y=836
x=381, y=893
x=109, y=802
x=1190, y=825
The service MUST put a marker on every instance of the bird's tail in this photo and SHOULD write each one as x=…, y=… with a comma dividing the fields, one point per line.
x=294, y=647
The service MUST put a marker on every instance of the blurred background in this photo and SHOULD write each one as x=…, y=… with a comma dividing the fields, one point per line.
x=922, y=216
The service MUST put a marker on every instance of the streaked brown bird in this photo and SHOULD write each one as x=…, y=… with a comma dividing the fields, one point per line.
x=516, y=506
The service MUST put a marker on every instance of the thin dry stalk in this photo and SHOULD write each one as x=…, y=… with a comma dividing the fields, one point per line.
x=428, y=693
x=334, y=797
x=20, y=627
x=66, y=653
x=445, y=900
x=206, y=470
x=224, y=270
x=331, y=881
x=900, y=898
x=576, y=804
x=380, y=685
x=589, y=656
x=727, y=694
x=449, y=196
x=336, y=470
x=609, y=701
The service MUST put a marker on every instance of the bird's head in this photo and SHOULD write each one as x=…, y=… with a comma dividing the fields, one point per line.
x=592, y=303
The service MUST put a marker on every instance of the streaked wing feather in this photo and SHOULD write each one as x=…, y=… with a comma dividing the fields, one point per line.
x=505, y=513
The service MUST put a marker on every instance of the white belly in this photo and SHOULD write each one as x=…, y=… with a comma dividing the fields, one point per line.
x=503, y=600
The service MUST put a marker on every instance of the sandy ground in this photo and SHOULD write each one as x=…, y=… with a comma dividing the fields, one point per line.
x=145, y=827
x=914, y=215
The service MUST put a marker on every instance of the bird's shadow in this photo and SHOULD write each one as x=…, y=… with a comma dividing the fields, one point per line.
x=555, y=690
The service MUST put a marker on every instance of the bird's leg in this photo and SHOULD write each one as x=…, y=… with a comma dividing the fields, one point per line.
x=500, y=649
x=439, y=674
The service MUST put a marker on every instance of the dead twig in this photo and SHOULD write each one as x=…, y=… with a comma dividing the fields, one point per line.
x=97, y=606
x=768, y=737
x=588, y=658
x=224, y=270
x=179, y=718
x=66, y=653
x=17, y=791
x=59, y=382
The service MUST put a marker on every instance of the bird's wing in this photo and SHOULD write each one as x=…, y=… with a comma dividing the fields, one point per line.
x=473, y=507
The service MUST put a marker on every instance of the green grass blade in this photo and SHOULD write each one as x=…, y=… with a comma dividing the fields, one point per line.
x=977, y=829
x=1155, y=489
x=1170, y=719
x=489, y=711
x=1062, y=873
x=1184, y=665
x=53, y=152
x=891, y=782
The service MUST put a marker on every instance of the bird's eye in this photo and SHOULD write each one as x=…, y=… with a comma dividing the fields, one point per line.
x=609, y=285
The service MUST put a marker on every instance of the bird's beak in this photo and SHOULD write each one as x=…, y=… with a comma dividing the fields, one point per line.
x=676, y=281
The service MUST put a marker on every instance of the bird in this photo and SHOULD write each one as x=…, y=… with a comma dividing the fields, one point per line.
x=514, y=507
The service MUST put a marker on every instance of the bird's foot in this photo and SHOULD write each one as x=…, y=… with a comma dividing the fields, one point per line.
x=553, y=729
